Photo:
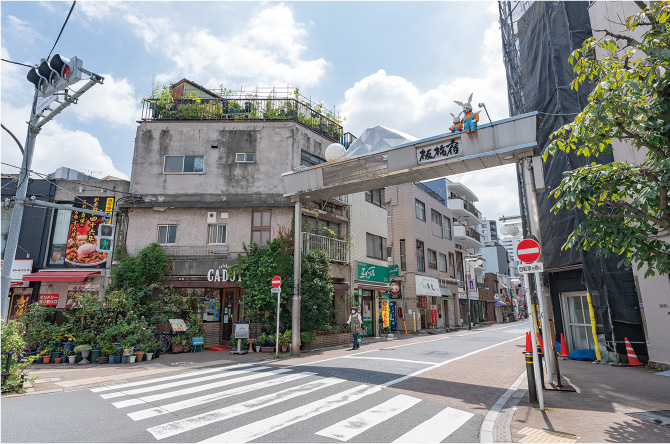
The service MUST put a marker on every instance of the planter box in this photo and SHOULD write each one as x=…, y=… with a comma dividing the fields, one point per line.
x=267, y=349
x=163, y=328
x=177, y=348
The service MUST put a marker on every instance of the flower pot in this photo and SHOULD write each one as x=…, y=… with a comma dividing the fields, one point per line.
x=46, y=359
x=124, y=359
x=58, y=360
x=69, y=346
x=110, y=359
x=139, y=355
x=85, y=354
x=55, y=355
x=72, y=359
x=177, y=348
x=149, y=356
x=95, y=354
x=157, y=353
x=267, y=349
x=258, y=348
x=284, y=348
x=131, y=359
x=117, y=359
x=77, y=358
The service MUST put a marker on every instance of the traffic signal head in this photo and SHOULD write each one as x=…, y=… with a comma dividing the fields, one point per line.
x=56, y=75
x=104, y=245
x=106, y=230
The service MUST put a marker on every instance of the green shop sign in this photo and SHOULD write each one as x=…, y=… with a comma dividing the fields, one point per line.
x=373, y=273
x=394, y=270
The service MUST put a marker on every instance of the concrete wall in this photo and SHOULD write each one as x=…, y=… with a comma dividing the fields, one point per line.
x=277, y=146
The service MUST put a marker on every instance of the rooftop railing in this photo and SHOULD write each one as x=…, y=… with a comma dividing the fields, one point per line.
x=430, y=192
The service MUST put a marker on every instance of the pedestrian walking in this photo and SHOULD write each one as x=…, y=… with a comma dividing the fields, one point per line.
x=356, y=324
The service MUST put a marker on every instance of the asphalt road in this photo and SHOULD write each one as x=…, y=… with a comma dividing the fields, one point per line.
x=344, y=399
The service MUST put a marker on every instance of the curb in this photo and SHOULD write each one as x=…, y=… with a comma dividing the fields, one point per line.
x=496, y=426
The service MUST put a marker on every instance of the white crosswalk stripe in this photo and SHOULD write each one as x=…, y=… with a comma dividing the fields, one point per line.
x=154, y=388
x=347, y=429
x=366, y=409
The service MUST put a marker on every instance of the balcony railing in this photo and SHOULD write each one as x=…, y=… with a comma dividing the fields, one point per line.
x=221, y=251
x=241, y=108
x=471, y=232
x=336, y=250
x=468, y=206
x=430, y=192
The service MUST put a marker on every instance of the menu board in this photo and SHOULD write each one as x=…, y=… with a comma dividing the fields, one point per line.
x=74, y=292
x=178, y=324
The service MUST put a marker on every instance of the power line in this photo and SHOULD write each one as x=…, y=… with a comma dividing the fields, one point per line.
x=61, y=30
x=17, y=63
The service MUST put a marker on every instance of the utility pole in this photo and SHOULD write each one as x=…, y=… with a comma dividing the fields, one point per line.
x=51, y=79
x=295, y=309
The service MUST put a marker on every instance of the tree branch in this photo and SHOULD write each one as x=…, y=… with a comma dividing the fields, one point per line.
x=639, y=214
x=629, y=40
x=656, y=150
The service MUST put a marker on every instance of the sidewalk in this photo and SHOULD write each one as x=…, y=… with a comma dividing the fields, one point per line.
x=60, y=377
x=598, y=410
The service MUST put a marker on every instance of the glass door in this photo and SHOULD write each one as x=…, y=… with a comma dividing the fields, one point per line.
x=577, y=322
x=230, y=312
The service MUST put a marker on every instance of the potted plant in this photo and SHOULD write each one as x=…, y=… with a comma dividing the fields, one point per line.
x=139, y=352
x=83, y=350
x=108, y=349
x=132, y=357
x=128, y=344
x=70, y=355
x=46, y=356
x=177, y=343
x=57, y=354
x=306, y=337
x=285, y=341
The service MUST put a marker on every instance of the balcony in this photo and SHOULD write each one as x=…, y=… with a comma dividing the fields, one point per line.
x=336, y=250
x=466, y=236
x=430, y=192
x=461, y=208
x=197, y=251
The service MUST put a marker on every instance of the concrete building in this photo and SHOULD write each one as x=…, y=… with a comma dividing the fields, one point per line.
x=654, y=291
x=489, y=232
x=208, y=181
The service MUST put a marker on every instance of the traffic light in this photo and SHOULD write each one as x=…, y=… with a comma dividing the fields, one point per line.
x=105, y=238
x=56, y=75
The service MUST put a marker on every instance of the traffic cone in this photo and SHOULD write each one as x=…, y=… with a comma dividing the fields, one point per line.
x=564, y=348
x=632, y=357
x=539, y=341
x=529, y=343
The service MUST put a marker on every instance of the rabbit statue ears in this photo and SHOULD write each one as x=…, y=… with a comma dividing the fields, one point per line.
x=457, y=118
x=466, y=104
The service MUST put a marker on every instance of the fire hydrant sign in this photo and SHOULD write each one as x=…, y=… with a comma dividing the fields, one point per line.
x=528, y=251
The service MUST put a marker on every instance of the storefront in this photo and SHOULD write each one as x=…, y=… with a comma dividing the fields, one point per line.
x=63, y=288
x=20, y=292
x=371, y=281
x=429, y=302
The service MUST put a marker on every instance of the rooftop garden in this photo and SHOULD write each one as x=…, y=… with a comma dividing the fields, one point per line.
x=262, y=104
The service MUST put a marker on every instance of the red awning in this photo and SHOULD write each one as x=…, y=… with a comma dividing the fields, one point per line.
x=60, y=275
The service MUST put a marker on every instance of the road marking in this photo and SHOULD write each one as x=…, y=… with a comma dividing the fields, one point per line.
x=257, y=429
x=389, y=359
x=418, y=372
x=437, y=428
x=347, y=429
x=166, y=378
x=196, y=389
x=178, y=383
x=184, y=425
x=194, y=402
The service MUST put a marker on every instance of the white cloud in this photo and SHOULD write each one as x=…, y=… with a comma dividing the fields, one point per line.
x=113, y=102
x=268, y=52
x=394, y=102
x=55, y=146
x=98, y=10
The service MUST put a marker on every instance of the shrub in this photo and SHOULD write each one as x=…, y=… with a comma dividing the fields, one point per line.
x=12, y=341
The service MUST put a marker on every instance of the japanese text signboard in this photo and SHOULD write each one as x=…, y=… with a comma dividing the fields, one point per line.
x=440, y=152
x=373, y=273
x=48, y=299
x=385, y=310
x=82, y=236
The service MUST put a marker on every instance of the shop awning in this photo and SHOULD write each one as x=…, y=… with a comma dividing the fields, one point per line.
x=16, y=284
x=500, y=304
x=60, y=275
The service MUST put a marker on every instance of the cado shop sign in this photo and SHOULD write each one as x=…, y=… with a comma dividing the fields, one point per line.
x=222, y=274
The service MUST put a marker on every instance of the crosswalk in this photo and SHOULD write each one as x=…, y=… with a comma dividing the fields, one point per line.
x=244, y=403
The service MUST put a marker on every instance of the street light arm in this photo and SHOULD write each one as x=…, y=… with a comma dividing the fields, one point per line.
x=13, y=137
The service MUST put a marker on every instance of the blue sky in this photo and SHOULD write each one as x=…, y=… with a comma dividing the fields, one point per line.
x=396, y=64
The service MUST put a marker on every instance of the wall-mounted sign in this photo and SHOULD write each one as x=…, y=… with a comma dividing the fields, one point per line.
x=48, y=299
x=373, y=273
x=440, y=152
x=427, y=286
x=395, y=288
x=74, y=292
x=423, y=302
x=221, y=274
x=394, y=270
x=20, y=267
x=83, y=233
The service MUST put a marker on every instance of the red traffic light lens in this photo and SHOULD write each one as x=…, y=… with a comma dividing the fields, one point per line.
x=67, y=72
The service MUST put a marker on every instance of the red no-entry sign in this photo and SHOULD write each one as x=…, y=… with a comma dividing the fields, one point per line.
x=276, y=281
x=528, y=251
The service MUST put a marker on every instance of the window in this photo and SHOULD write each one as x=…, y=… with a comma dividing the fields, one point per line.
x=443, y=262
x=309, y=159
x=486, y=238
x=420, y=210
x=420, y=261
x=167, y=234
x=403, y=255
x=484, y=231
x=376, y=246
x=245, y=157
x=318, y=226
x=184, y=164
x=452, y=271
x=435, y=217
x=436, y=226
x=216, y=234
x=260, y=226
x=432, y=259
x=59, y=238
x=447, y=228
x=375, y=197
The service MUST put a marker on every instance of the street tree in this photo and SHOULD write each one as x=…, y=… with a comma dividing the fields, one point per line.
x=625, y=205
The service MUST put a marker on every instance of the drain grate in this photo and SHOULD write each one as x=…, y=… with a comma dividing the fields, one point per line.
x=660, y=417
x=537, y=435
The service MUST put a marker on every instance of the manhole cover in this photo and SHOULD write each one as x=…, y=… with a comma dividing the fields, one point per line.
x=660, y=417
x=47, y=380
x=182, y=363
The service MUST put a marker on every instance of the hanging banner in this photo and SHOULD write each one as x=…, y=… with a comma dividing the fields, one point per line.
x=385, y=310
x=433, y=314
x=83, y=233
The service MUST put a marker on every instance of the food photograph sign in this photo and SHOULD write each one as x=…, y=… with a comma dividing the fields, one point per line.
x=83, y=233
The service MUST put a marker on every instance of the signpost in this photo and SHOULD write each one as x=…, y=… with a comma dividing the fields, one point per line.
x=276, y=288
x=528, y=251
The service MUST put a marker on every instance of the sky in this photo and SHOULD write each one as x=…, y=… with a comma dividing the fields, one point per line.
x=396, y=64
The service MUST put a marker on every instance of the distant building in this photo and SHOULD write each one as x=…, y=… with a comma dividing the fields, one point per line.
x=489, y=232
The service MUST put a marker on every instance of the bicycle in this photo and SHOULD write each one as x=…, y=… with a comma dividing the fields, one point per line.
x=164, y=341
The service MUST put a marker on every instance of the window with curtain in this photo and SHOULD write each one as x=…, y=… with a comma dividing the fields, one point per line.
x=420, y=260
